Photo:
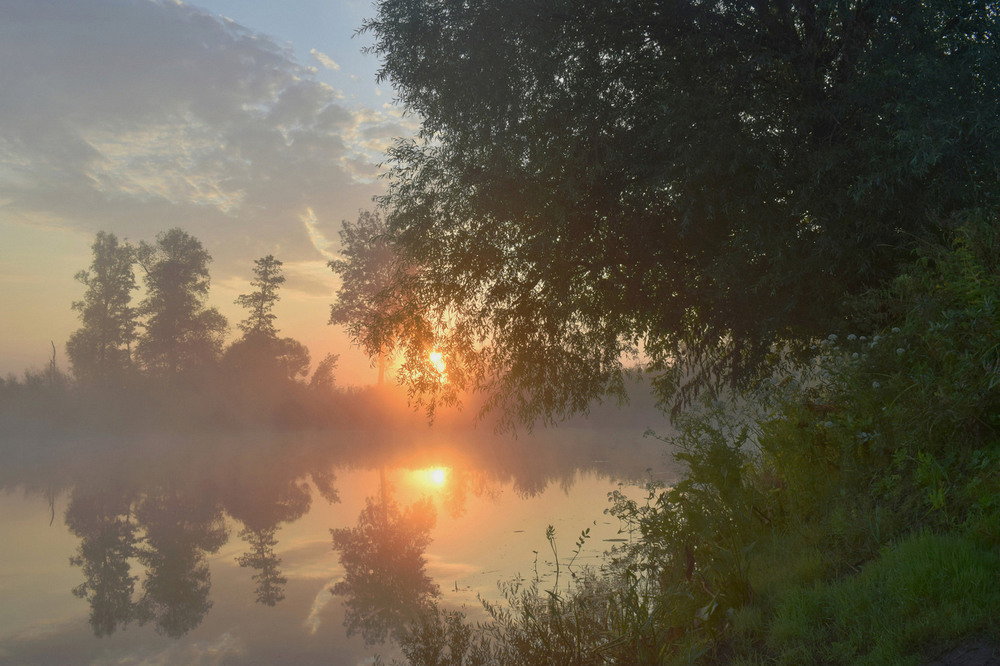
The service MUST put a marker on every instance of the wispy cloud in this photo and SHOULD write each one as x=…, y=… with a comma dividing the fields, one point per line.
x=322, y=244
x=323, y=598
x=324, y=60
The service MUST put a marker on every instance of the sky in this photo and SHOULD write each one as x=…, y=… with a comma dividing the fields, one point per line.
x=255, y=126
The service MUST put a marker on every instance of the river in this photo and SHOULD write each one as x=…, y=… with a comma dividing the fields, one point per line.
x=290, y=548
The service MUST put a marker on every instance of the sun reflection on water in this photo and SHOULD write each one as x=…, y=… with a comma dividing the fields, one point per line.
x=437, y=476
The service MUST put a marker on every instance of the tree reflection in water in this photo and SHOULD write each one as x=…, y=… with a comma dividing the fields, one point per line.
x=149, y=512
x=101, y=517
x=385, y=586
x=270, y=583
x=180, y=531
x=170, y=521
x=261, y=500
x=167, y=532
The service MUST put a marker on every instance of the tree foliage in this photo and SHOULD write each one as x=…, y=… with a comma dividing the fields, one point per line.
x=181, y=334
x=260, y=354
x=367, y=270
x=698, y=180
x=100, y=350
x=324, y=378
x=260, y=303
x=267, y=361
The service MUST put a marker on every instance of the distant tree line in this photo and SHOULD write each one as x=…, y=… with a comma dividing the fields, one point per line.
x=169, y=335
x=166, y=354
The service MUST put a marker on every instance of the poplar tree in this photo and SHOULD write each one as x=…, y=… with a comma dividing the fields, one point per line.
x=181, y=333
x=100, y=350
x=367, y=271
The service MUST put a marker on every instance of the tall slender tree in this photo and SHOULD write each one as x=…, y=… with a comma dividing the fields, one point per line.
x=181, y=333
x=100, y=350
x=260, y=353
x=260, y=303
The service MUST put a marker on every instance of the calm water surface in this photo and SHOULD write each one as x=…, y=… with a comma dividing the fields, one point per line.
x=295, y=549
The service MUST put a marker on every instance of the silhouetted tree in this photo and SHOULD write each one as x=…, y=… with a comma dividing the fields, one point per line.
x=324, y=377
x=366, y=272
x=267, y=363
x=260, y=355
x=100, y=350
x=385, y=586
x=181, y=334
x=260, y=302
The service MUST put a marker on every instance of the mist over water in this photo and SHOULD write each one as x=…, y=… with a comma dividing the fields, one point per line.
x=309, y=547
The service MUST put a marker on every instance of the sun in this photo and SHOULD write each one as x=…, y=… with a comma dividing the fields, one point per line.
x=437, y=360
x=438, y=476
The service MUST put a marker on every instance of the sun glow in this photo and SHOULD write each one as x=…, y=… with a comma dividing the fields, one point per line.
x=437, y=360
x=436, y=477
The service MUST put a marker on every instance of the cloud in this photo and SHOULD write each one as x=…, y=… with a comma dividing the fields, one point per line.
x=135, y=116
x=324, y=60
x=320, y=602
x=310, y=279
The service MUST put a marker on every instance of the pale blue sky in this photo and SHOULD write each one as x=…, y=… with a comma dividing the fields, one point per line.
x=254, y=125
x=328, y=26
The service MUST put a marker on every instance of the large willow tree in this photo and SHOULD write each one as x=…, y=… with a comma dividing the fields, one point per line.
x=696, y=179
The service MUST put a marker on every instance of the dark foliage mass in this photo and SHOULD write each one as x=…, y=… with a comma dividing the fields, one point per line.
x=698, y=180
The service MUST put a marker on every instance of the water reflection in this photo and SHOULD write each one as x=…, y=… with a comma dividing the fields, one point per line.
x=261, y=502
x=385, y=584
x=169, y=533
x=180, y=530
x=270, y=583
x=102, y=518
x=155, y=519
x=170, y=518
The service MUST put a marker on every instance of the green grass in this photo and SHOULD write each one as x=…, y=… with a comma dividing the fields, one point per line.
x=927, y=591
